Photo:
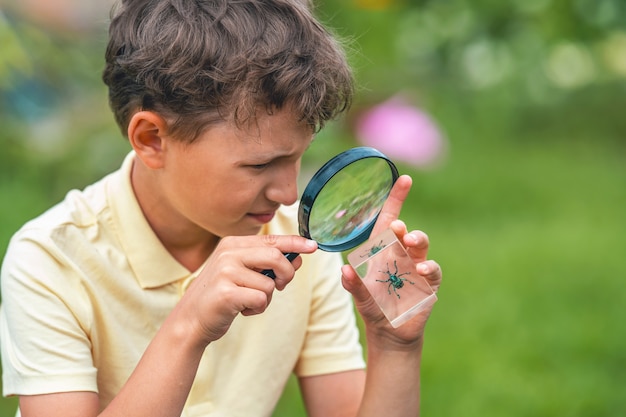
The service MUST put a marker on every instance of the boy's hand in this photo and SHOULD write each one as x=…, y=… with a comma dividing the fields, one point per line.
x=231, y=282
x=416, y=243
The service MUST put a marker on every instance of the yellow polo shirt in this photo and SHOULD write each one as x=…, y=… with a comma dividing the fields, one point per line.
x=86, y=285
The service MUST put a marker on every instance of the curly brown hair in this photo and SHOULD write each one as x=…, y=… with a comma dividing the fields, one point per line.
x=197, y=62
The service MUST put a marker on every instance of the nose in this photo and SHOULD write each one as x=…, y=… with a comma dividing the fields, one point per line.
x=283, y=188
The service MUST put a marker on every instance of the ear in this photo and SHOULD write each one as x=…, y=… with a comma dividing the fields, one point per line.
x=147, y=135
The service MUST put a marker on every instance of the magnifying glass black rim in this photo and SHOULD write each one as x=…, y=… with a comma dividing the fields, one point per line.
x=319, y=180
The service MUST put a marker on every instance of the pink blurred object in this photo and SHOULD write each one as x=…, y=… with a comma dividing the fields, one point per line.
x=340, y=214
x=402, y=132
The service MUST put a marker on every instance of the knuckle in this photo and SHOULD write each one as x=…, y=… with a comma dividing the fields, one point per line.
x=259, y=301
x=268, y=286
x=270, y=240
x=227, y=294
x=227, y=268
x=226, y=241
x=222, y=256
x=282, y=281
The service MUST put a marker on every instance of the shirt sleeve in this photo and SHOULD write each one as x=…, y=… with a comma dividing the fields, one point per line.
x=44, y=321
x=332, y=340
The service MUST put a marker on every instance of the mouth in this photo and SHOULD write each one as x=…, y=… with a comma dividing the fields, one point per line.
x=262, y=217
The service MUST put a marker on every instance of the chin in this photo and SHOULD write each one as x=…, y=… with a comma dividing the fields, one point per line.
x=242, y=231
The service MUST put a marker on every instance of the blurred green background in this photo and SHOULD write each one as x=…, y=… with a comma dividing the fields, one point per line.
x=526, y=211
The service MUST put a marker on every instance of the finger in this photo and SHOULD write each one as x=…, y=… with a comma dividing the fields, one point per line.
x=284, y=243
x=416, y=244
x=354, y=285
x=285, y=274
x=253, y=301
x=289, y=243
x=399, y=229
x=290, y=247
x=363, y=300
x=273, y=260
x=252, y=292
x=246, y=277
x=393, y=205
x=431, y=270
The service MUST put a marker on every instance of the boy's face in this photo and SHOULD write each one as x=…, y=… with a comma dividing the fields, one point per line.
x=231, y=181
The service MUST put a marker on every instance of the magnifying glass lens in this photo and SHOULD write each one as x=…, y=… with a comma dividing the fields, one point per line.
x=350, y=201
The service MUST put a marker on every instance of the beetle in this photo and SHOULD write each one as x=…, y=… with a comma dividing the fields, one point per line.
x=395, y=280
x=374, y=250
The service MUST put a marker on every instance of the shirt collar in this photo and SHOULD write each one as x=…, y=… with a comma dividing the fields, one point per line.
x=152, y=264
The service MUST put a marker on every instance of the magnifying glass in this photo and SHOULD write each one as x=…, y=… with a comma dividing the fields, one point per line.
x=342, y=201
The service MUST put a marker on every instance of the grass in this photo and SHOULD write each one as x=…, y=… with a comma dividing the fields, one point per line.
x=529, y=321
x=531, y=236
x=528, y=224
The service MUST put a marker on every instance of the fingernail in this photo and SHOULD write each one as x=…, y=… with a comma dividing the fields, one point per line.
x=422, y=269
x=311, y=244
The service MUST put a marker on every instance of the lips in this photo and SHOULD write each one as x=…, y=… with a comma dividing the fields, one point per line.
x=262, y=217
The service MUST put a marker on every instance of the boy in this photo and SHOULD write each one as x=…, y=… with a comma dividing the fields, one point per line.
x=141, y=295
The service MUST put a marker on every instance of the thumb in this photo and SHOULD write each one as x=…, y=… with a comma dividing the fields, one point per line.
x=352, y=283
x=363, y=300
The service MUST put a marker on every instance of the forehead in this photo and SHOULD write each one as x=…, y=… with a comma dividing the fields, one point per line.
x=266, y=133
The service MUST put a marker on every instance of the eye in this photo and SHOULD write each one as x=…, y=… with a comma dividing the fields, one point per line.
x=259, y=166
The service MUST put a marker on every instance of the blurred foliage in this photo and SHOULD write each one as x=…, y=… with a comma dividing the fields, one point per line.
x=525, y=215
x=535, y=47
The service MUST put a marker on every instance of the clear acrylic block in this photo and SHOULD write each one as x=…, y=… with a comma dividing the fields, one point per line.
x=391, y=278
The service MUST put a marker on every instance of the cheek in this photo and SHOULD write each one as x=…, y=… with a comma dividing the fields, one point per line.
x=226, y=199
x=212, y=191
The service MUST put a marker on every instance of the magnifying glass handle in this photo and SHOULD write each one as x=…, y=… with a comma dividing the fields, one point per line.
x=290, y=257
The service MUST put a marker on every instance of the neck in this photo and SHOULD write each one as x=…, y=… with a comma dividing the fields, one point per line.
x=188, y=243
